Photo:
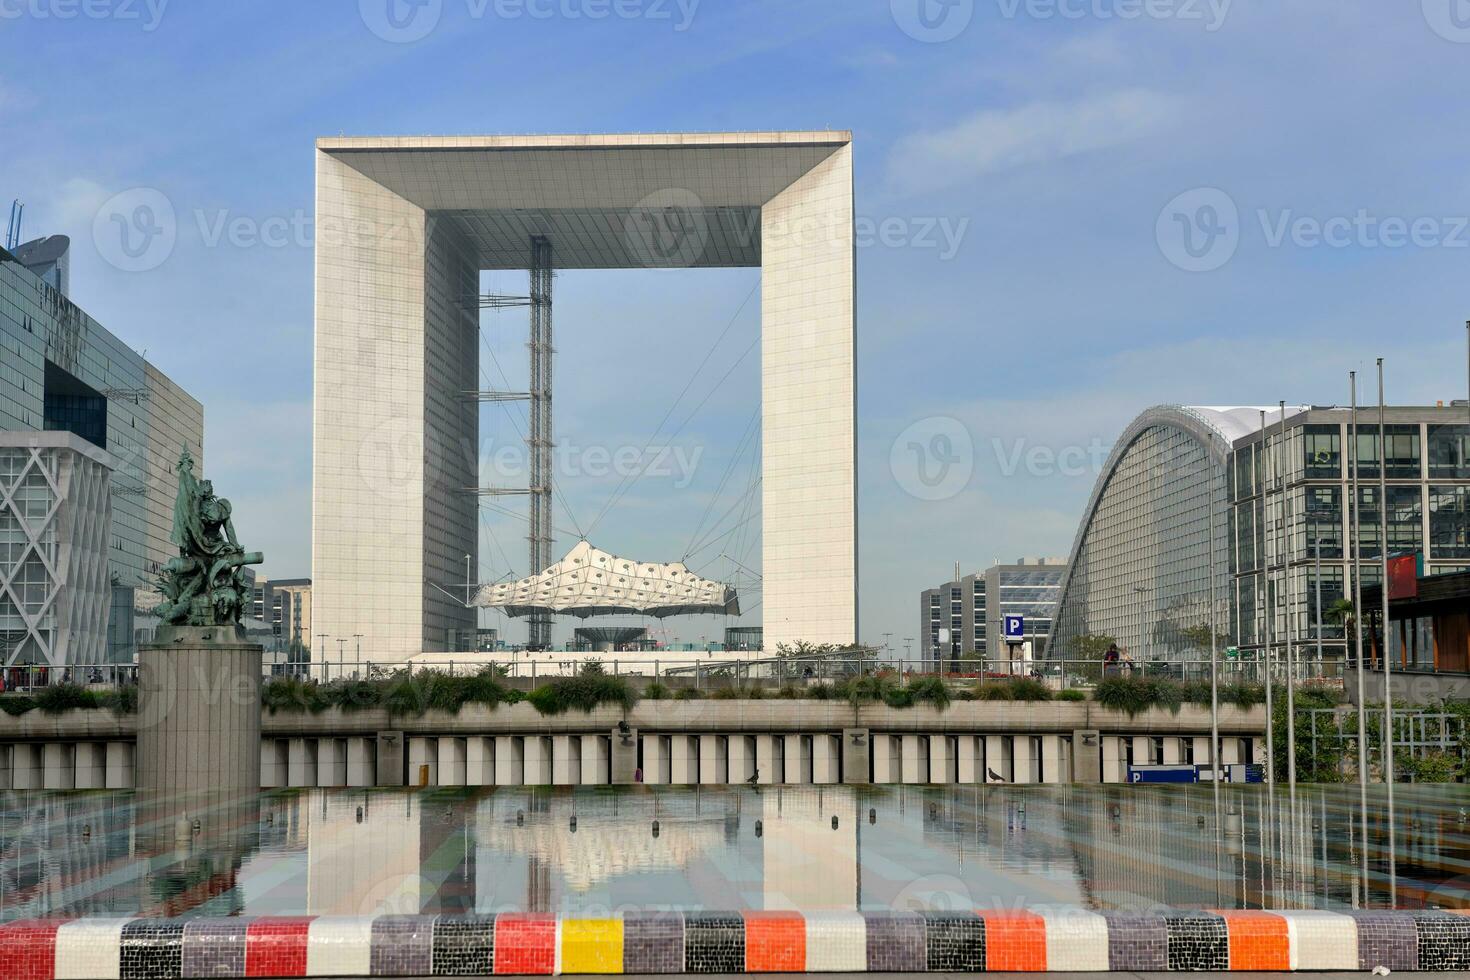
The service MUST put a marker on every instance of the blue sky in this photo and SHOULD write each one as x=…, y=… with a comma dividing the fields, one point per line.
x=1075, y=212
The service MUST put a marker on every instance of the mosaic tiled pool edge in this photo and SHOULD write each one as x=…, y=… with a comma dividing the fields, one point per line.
x=733, y=942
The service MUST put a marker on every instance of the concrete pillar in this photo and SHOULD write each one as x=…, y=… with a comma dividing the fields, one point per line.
x=566, y=760
x=301, y=762
x=1258, y=745
x=1053, y=769
x=274, y=763
x=331, y=762
x=1086, y=752
x=915, y=764
x=596, y=764
x=623, y=765
x=967, y=759
x=826, y=759
x=1173, y=751
x=536, y=766
x=1230, y=753
x=796, y=758
x=714, y=765
x=683, y=760
x=361, y=765
x=742, y=754
x=120, y=772
x=91, y=765
x=26, y=770
x=886, y=765
x=857, y=756
x=1114, y=762
x=423, y=762
x=510, y=757
x=769, y=767
x=1143, y=751
x=943, y=759
x=59, y=765
x=199, y=714
x=997, y=759
x=656, y=762
x=451, y=763
x=392, y=759
x=1201, y=750
x=1023, y=759
x=4, y=766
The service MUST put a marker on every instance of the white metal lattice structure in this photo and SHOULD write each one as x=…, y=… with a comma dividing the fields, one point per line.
x=589, y=582
x=55, y=509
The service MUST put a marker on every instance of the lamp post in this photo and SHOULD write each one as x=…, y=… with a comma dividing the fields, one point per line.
x=1286, y=546
x=1387, y=632
x=1268, y=607
x=1354, y=569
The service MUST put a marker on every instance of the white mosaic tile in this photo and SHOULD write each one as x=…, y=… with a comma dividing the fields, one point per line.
x=1321, y=940
x=339, y=946
x=88, y=949
x=1076, y=940
x=836, y=942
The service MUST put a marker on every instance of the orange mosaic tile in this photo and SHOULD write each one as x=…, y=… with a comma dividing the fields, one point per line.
x=1258, y=940
x=1014, y=941
x=775, y=942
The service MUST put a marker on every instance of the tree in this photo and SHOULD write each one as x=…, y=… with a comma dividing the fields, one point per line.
x=1341, y=613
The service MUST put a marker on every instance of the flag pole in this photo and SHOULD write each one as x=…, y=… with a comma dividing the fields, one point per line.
x=1388, y=732
x=1355, y=572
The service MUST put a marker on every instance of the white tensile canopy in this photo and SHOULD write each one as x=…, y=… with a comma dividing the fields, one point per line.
x=588, y=582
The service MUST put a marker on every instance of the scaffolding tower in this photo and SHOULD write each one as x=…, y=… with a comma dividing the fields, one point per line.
x=539, y=437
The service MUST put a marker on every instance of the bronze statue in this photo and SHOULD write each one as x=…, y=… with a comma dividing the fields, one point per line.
x=205, y=585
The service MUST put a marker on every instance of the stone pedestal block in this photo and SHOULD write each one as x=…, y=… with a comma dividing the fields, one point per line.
x=199, y=714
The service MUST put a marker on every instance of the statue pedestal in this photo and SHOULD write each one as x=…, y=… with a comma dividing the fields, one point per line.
x=199, y=716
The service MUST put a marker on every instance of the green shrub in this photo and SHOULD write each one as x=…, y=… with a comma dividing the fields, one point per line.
x=1071, y=694
x=1433, y=766
x=1135, y=695
x=582, y=694
x=929, y=689
x=16, y=705
x=864, y=690
x=690, y=694
x=1242, y=695
x=291, y=694
x=657, y=692
x=351, y=695
x=58, y=698
x=123, y=701
x=789, y=692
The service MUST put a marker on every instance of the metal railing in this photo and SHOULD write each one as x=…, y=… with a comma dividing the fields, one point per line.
x=24, y=678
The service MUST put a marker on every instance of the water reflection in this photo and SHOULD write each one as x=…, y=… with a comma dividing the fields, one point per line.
x=597, y=852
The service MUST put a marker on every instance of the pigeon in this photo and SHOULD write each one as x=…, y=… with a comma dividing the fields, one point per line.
x=994, y=776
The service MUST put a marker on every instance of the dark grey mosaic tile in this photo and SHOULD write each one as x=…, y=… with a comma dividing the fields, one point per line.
x=464, y=946
x=1137, y=941
x=713, y=943
x=1444, y=940
x=152, y=949
x=1387, y=939
x=1197, y=941
x=653, y=942
x=402, y=945
x=896, y=942
x=954, y=941
x=214, y=948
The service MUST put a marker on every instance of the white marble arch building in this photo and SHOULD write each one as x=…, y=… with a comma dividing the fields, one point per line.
x=403, y=227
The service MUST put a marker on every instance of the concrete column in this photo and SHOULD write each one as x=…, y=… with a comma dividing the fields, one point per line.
x=1086, y=752
x=274, y=763
x=510, y=756
x=361, y=765
x=1143, y=751
x=683, y=760
x=26, y=769
x=915, y=765
x=1258, y=745
x=1173, y=751
x=536, y=768
x=1052, y=768
x=943, y=759
x=623, y=764
x=391, y=759
x=886, y=766
x=997, y=759
x=1201, y=751
x=423, y=762
x=967, y=759
x=199, y=714
x=714, y=765
x=1230, y=753
x=59, y=765
x=91, y=765
x=1113, y=760
x=857, y=756
x=120, y=772
x=566, y=760
x=595, y=761
x=4, y=767
x=301, y=762
x=331, y=762
x=656, y=771
x=742, y=754
x=796, y=757
x=451, y=763
x=769, y=768
x=826, y=759
x=1023, y=759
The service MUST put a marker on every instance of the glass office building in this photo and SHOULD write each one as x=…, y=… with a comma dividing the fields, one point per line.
x=961, y=623
x=61, y=370
x=1139, y=572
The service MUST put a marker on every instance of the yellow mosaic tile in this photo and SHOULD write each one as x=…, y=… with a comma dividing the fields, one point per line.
x=592, y=946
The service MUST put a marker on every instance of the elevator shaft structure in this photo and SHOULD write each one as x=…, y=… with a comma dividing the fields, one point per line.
x=539, y=438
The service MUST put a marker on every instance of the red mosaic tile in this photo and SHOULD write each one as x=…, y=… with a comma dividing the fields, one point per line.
x=1258, y=940
x=28, y=949
x=276, y=947
x=775, y=942
x=1014, y=941
x=525, y=944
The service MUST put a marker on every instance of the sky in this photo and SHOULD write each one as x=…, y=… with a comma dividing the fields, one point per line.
x=1068, y=211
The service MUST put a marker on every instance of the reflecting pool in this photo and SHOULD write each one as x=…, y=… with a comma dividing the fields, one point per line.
x=595, y=852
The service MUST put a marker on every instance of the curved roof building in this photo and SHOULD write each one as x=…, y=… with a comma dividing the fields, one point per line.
x=1139, y=571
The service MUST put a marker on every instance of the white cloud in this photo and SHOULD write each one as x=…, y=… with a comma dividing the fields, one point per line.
x=1032, y=135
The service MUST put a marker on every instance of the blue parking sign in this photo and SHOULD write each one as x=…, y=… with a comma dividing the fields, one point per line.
x=1015, y=627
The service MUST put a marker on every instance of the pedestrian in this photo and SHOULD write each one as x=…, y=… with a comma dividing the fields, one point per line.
x=1111, y=659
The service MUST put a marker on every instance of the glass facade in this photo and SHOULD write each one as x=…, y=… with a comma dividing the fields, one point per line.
x=973, y=610
x=60, y=369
